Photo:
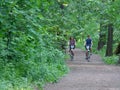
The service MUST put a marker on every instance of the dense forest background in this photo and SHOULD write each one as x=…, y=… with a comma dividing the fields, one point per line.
x=34, y=35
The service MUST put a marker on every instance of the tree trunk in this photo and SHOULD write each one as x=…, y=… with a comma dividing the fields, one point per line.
x=109, y=50
x=102, y=37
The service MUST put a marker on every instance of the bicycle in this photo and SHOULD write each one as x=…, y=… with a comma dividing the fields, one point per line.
x=71, y=55
x=88, y=53
x=71, y=52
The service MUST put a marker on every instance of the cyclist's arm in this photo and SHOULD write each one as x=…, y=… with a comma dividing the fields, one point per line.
x=75, y=41
x=91, y=43
x=85, y=43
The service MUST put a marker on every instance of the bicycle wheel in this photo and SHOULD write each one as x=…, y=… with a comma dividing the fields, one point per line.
x=71, y=55
x=88, y=56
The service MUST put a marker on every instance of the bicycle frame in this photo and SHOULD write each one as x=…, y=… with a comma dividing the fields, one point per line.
x=88, y=53
x=71, y=55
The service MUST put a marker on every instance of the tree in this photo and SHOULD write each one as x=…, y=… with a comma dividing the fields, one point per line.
x=109, y=50
x=102, y=36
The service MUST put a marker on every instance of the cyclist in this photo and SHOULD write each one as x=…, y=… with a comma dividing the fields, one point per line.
x=72, y=45
x=88, y=42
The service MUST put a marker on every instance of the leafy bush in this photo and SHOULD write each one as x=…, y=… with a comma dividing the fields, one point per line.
x=111, y=60
x=28, y=56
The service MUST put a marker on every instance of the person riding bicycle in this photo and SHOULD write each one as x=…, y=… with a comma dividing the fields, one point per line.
x=88, y=42
x=71, y=43
x=71, y=46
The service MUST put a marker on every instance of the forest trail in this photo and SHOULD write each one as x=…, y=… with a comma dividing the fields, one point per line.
x=83, y=75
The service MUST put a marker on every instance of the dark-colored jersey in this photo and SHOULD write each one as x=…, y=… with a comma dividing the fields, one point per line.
x=72, y=42
x=88, y=42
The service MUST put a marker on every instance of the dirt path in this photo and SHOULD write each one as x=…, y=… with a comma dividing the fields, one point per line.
x=93, y=75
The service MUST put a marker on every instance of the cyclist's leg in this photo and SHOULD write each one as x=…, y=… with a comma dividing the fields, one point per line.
x=69, y=48
x=71, y=55
x=86, y=52
x=88, y=56
x=90, y=50
x=72, y=47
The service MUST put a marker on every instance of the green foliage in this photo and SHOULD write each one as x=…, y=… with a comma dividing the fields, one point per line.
x=111, y=60
x=33, y=34
x=28, y=56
